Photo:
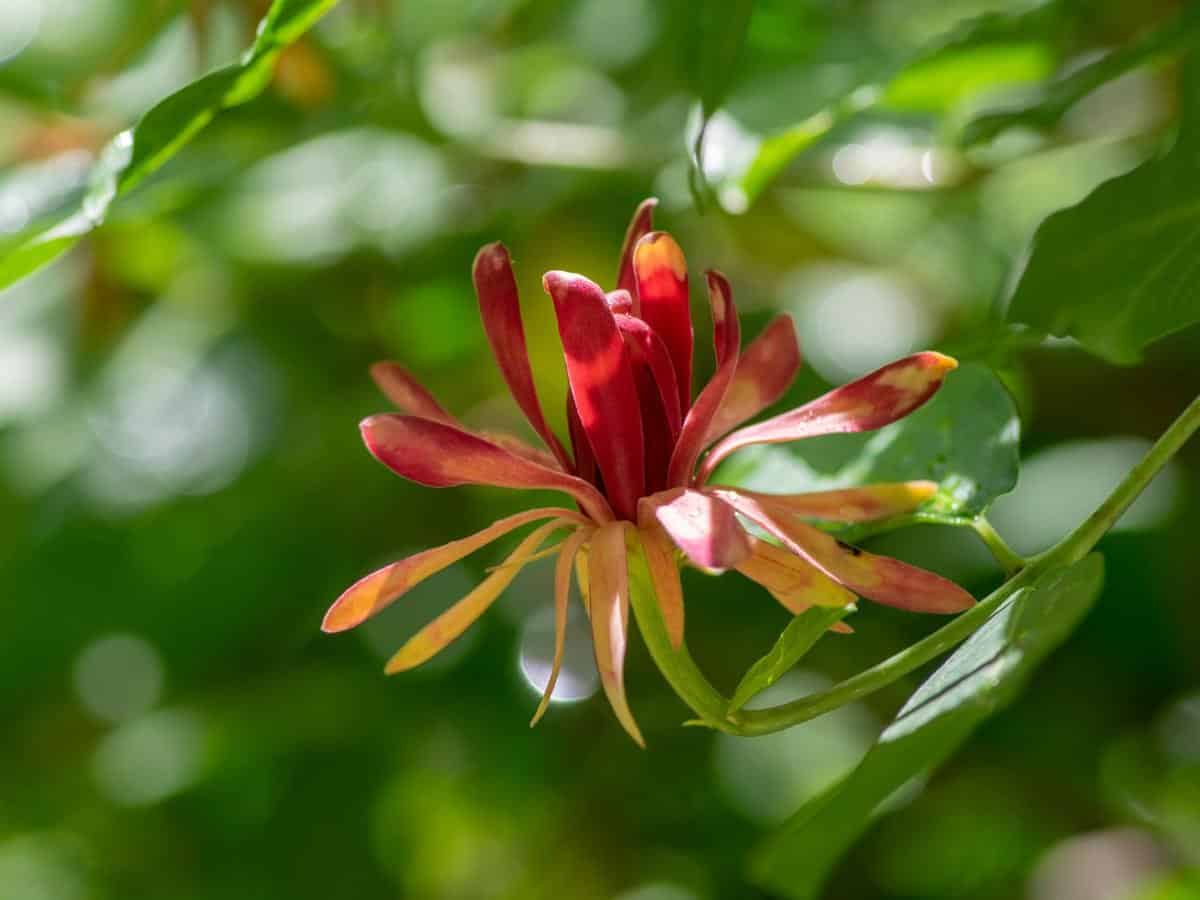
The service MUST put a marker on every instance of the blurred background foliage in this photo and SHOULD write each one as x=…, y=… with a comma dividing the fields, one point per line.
x=183, y=492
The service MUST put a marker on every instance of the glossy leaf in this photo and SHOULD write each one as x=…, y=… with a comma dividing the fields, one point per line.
x=800, y=635
x=1117, y=271
x=164, y=130
x=965, y=439
x=984, y=674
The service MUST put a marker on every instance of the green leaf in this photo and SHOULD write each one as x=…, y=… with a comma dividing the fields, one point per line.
x=965, y=439
x=164, y=130
x=984, y=674
x=718, y=34
x=801, y=634
x=1117, y=270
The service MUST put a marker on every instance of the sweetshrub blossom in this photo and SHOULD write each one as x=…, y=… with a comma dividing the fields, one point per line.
x=642, y=450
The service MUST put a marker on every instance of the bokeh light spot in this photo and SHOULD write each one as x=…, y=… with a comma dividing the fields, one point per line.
x=578, y=679
x=119, y=677
x=151, y=758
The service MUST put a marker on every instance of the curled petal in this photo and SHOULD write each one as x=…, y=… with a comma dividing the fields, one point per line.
x=608, y=590
x=562, y=591
x=727, y=336
x=790, y=580
x=875, y=400
x=409, y=395
x=658, y=396
x=370, y=594
x=765, y=369
x=620, y=302
x=518, y=447
x=439, y=455
x=447, y=627
x=702, y=526
x=860, y=504
x=500, y=309
x=662, y=302
x=603, y=385
x=879, y=578
x=664, y=573
x=639, y=227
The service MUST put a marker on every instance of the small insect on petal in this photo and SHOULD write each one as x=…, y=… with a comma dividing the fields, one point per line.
x=447, y=627
x=609, y=599
x=871, y=402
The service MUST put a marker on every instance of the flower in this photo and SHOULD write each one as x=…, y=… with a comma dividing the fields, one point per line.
x=642, y=452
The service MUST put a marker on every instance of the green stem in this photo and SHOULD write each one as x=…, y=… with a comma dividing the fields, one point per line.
x=1070, y=549
x=1012, y=561
x=677, y=666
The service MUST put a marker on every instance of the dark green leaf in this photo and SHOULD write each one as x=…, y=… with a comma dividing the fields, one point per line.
x=981, y=676
x=167, y=127
x=1119, y=269
x=796, y=640
x=719, y=32
x=965, y=439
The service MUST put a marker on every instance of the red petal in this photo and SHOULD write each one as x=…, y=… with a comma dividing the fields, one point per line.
x=702, y=526
x=585, y=459
x=662, y=298
x=410, y=397
x=439, y=455
x=860, y=504
x=608, y=591
x=619, y=302
x=765, y=369
x=562, y=590
x=879, y=578
x=447, y=627
x=727, y=336
x=664, y=573
x=603, y=385
x=871, y=402
x=657, y=394
x=373, y=592
x=639, y=227
x=500, y=309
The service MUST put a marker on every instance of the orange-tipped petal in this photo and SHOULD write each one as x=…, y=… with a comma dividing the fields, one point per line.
x=409, y=395
x=871, y=402
x=581, y=578
x=859, y=504
x=639, y=226
x=727, y=337
x=439, y=455
x=562, y=591
x=500, y=309
x=879, y=578
x=790, y=580
x=373, y=592
x=702, y=526
x=609, y=592
x=664, y=573
x=765, y=369
x=662, y=302
x=603, y=385
x=447, y=627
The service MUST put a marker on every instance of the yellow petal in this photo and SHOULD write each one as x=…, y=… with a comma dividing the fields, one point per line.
x=609, y=590
x=562, y=590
